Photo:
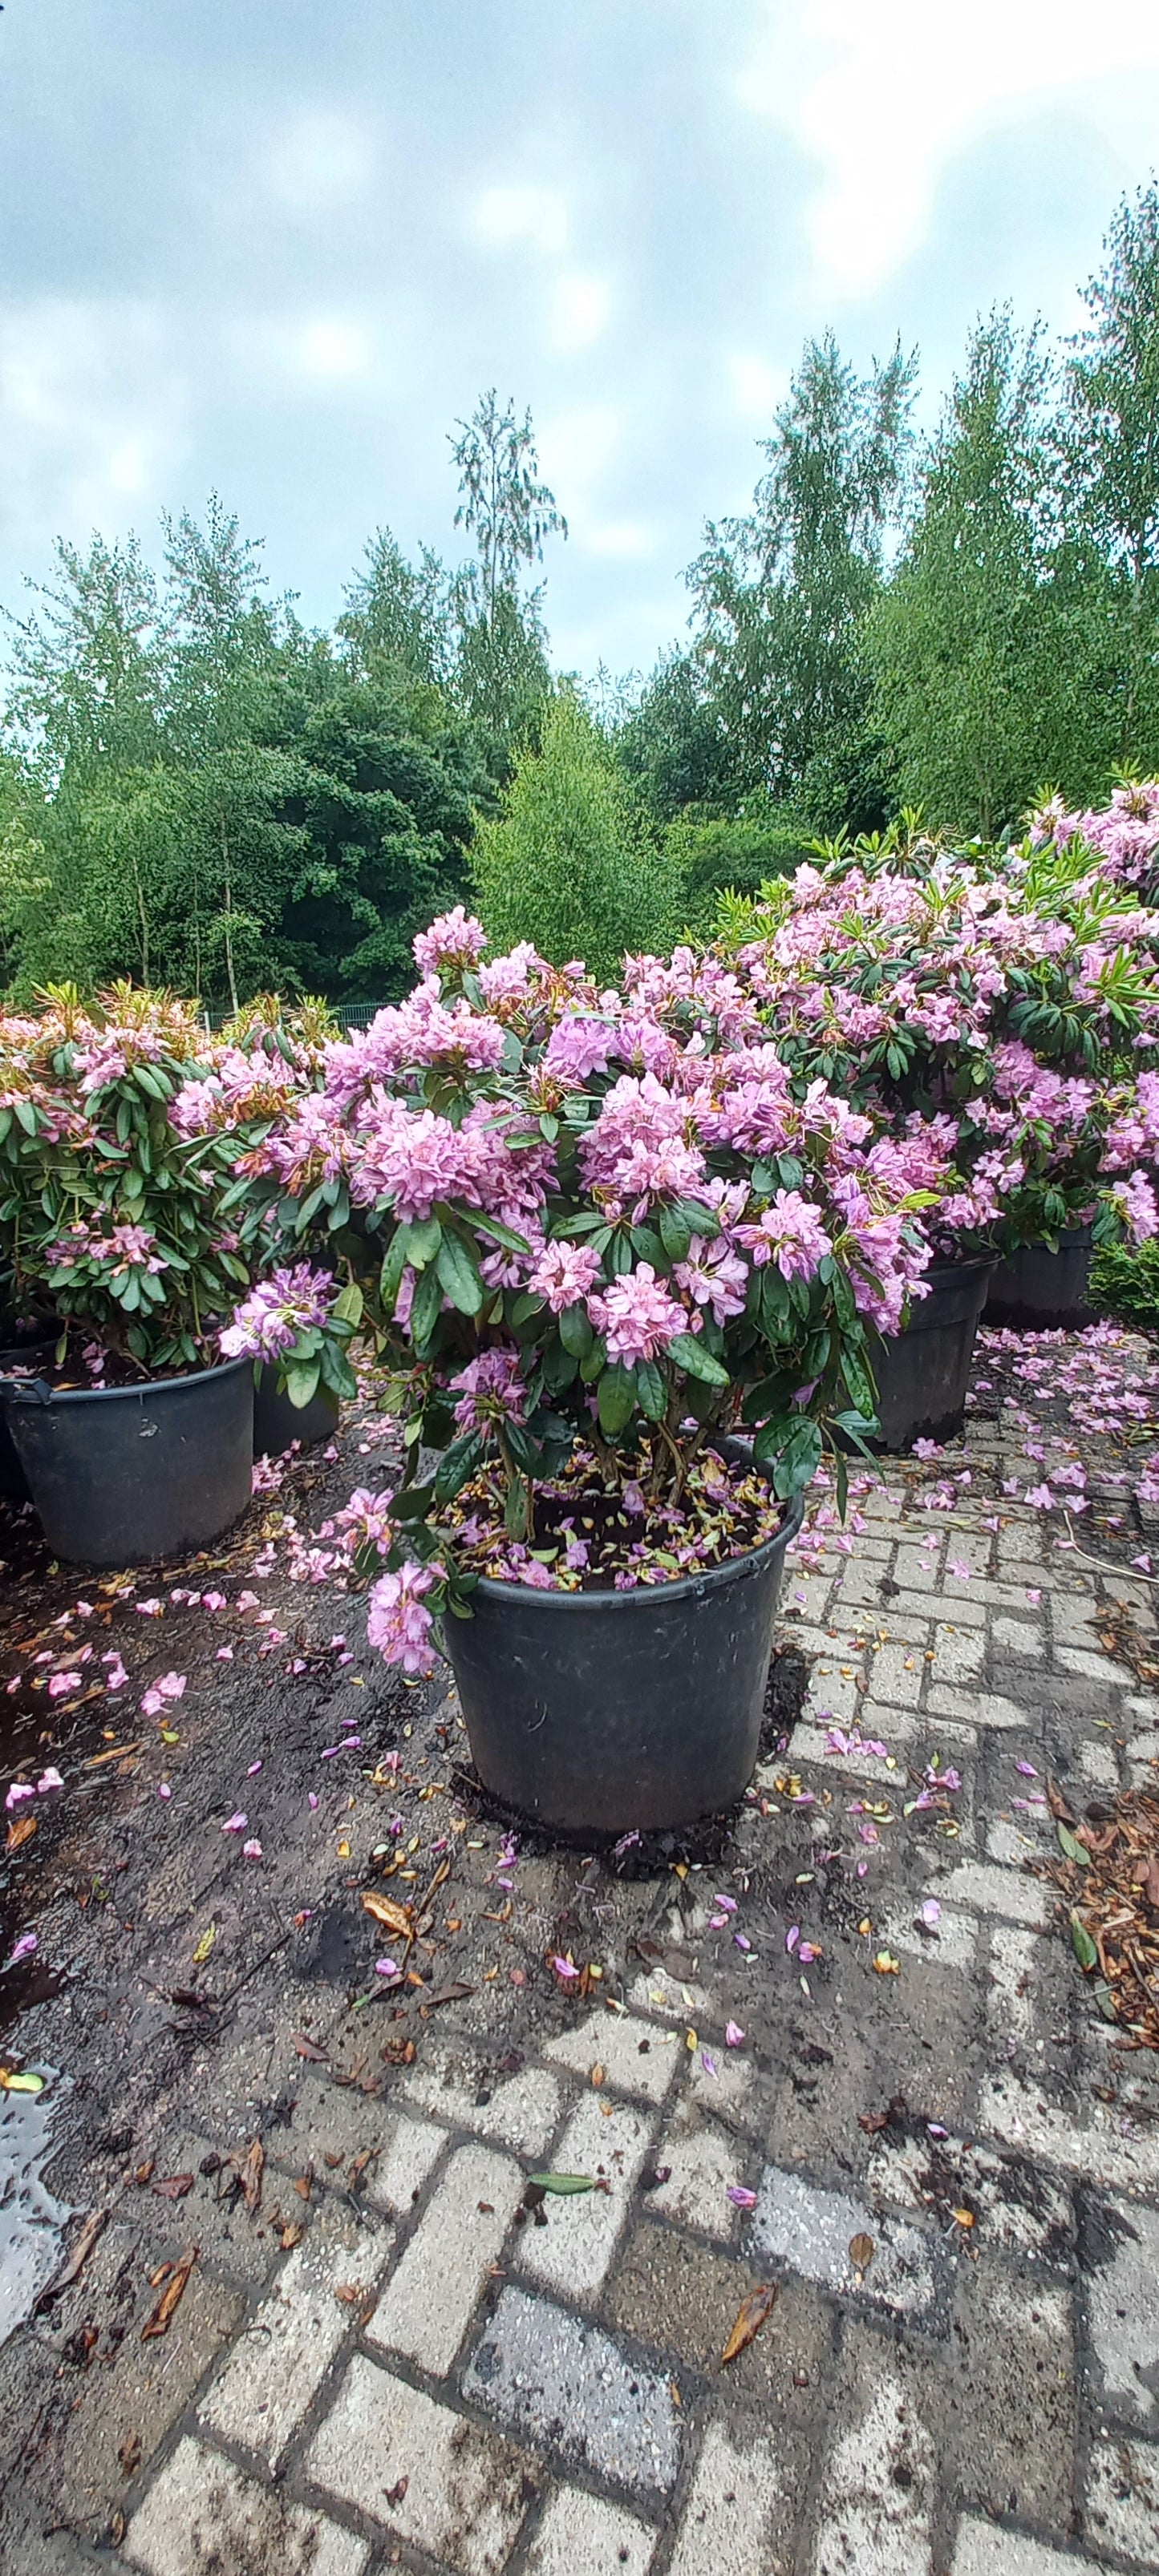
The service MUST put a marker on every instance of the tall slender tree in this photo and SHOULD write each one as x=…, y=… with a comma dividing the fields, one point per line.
x=780, y=595
x=1111, y=447
x=502, y=676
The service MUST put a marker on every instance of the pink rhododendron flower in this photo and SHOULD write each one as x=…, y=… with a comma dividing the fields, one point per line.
x=637, y=1315
x=398, y=1622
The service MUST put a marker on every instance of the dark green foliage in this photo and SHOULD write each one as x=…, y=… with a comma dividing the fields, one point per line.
x=1125, y=1284
x=710, y=857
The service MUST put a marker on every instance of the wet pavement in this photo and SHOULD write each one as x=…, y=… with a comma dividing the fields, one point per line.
x=838, y=2044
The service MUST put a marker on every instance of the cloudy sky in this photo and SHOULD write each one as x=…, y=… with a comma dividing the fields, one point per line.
x=279, y=249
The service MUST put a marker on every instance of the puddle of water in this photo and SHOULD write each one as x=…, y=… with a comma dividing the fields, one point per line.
x=30, y=2219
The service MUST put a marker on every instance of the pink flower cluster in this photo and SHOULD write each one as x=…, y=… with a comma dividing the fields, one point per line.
x=270, y=1320
x=398, y=1621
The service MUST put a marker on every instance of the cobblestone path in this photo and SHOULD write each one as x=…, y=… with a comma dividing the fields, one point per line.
x=396, y=2363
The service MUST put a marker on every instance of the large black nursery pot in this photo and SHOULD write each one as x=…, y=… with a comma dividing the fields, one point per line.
x=277, y=1422
x=1040, y=1291
x=603, y=1713
x=922, y=1373
x=122, y=1474
x=26, y=1351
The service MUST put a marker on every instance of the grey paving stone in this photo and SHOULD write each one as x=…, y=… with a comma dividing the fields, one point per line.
x=409, y=2152
x=742, y=2506
x=457, y=2084
x=1019, y=2209
x=573, y=2252
x=634, y=2058
x=877, y=2485
x=1017, y=2430
x=990, y=1890
x=1123, y=2500
x=1022, y=2115
x=552, y=2380
x=984, y=2550
x=979, y=1707
x=581, y=2535
x=1121, y=2264
x=274, y=2373
x=437, y=2481
x=426, y=2306
x=797, y=2223
x=701, y=2163
x=202, y=2515
x=683, y=2298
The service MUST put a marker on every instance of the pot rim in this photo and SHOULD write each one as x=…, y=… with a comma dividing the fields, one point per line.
x=683, y=1588
x=961, y=1269
x=31, y=1390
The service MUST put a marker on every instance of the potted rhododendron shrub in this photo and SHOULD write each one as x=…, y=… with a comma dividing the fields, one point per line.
x=625, y=1276
x=993, y=1024
x=295, y=1326
x=119, y=1222
x=256, y=1088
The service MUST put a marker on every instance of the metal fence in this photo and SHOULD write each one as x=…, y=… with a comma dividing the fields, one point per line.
x=350, y=1015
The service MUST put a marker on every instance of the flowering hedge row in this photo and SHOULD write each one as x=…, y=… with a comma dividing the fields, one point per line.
x=1000, y=1025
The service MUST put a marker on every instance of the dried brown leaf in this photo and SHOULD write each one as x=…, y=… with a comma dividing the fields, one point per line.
x=171, y=2297
x=861, y=2252
x=749, y=2319
x=250, y=2174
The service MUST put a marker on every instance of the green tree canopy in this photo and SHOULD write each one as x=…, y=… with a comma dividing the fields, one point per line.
x=564, y=865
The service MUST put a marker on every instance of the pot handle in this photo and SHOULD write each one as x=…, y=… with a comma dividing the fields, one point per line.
x=26, y=1390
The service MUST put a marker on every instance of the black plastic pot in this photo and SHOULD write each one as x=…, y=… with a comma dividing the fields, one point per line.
x=922, y=1374
x=277, y=1422
x=1039, y=1291
x=30, y=1352
x=600, y=1713
x=123, y=1474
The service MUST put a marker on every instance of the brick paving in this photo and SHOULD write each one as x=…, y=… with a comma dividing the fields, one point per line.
x=430, y=2379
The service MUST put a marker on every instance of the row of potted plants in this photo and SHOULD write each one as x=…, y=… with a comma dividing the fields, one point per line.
x=636, y=1256
x=144, y=1276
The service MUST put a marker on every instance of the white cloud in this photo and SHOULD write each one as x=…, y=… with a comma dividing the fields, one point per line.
x=319, y=160
x=618, y=540
x=883, y=94
x=580, y=306
x=576, y=448
x=518, y=218
x=330, y=350
x=92, y=416
x=756, y=387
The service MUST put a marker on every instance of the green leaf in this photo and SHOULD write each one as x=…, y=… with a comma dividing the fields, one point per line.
x=1074, y=1850
x=412, y=1503
x=690, y=1355
x=497, y=1233
x=459, y=1275
x=348, y=1306
x=575, y=1330
x=619, y=1254
x=423, y=1240
x=593, y=1360
x=1082, y=1944
x=425, y=1307
x=393, y=1264
x=675, y=1234
x=526, y=1305
x=457, y=1465
x=858, y=1381
x=564, y=2184
x=302, y=1382
x=698, y=1219
x=651, y=1390
x=647, y=1246
x=615, y=1397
